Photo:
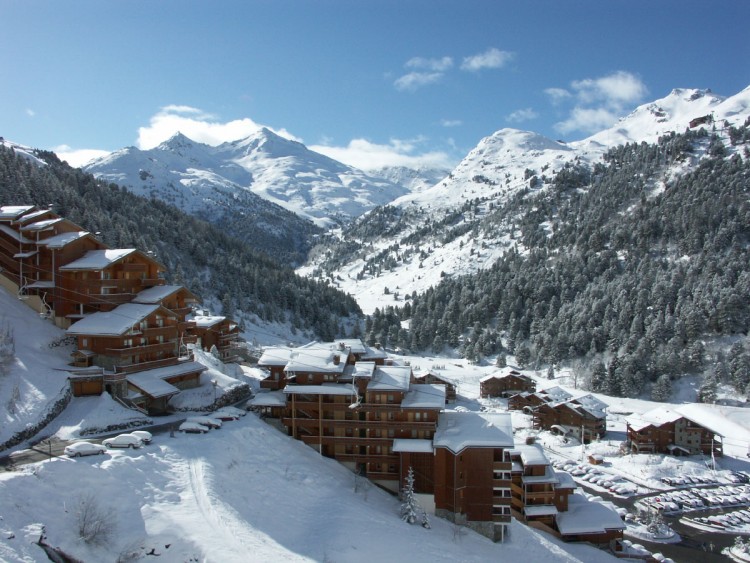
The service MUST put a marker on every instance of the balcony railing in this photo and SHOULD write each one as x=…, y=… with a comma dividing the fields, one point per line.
x=139, y=350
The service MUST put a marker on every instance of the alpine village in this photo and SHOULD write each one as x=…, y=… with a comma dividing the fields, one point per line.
x=557, y=362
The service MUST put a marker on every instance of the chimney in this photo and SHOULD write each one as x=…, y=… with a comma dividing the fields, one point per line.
x=336, y=359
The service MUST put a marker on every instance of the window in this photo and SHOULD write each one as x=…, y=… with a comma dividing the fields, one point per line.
x=418, y=416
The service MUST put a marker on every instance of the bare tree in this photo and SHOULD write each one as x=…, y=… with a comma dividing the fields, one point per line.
x=96, y=525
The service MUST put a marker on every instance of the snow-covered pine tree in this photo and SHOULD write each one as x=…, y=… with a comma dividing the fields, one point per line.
x=410, y=508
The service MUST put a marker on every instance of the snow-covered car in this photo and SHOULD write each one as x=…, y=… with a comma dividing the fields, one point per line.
x=233, y=410
x=193, y=428
x=224, y=415
x=123, y=441
x=144, y=435
x=206, y=421
x=78, y=449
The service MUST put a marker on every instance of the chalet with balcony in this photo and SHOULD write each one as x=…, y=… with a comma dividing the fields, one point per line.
x=431, y=378
x=180, y=301
x=100, y=280
x=219, y=331
x=151, y=389
x=472, y=471
x=273, y=360
x=672, y=432
x=545, y=499
x=528, y=401
x=505, y=384
x=583, y=418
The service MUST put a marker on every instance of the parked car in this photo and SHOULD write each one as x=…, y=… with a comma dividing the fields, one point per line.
x=123, y=441
x=233, y=410
x=224, y=415
x=206, y=421
x=144, y=435
x=193, y=428
x=78, y=449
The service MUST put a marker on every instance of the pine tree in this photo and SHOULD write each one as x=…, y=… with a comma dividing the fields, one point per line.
x=410, y=508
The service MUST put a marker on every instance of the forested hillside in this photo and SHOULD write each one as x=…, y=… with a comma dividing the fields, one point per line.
x=208, y=260
x=633, y=268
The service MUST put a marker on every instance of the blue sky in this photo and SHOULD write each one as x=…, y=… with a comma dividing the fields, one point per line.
x=368, y=82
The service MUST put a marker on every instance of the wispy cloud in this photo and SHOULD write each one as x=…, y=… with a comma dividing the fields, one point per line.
x=198, y=125
x=491, y=58
x=599, y=101
x=366, y=155
x=525, y=114
x=30, y=112
x=415, y=80
x=451, y=122
x=77, y=157
x=438, y=65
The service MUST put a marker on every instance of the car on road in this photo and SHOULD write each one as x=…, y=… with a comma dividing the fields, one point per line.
x=193, y=428
x=206, y=421
x=78, y=449
x=144, y=435
x=123, y=441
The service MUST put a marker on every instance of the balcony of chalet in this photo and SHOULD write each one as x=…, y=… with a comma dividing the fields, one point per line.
x=140, y=366
x=141, y=350
x=310, y=420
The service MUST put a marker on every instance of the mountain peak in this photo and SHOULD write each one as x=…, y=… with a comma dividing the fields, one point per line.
x=177, y=141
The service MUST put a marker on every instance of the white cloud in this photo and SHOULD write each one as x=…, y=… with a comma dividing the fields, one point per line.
x=615, y=89
x=366, y=155
x=438, y=65
x=30, y=112
x=415, y=80
x=451, y=122
x=599, y=101
x=77, y=157
x=526, y=114
x=557, y=95
x=491, y=58
x=588, y=120
x=197, y=125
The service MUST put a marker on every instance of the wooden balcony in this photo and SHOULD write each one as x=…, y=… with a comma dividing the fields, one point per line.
x=368, y=458
x=501, y=518
x=141, y=350
x=114, y=298
x=130, y=368
x=364, y=424
x=132, y=267
x=167, y=330
x=502, y=466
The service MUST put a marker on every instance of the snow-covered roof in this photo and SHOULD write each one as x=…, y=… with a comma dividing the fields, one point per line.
x=502, y=374
x=98, y=259
x=584, y=517
x=540, y=510
x=565, y=480
x=325, y=389
x=28, y=254
x=374, y=353
x=63, y=239
x=556, y=394
x=158, y=293
x=268, y=399
x=10, y=212
x=152, y=381
x=41, y=225
x=275, y=356
x=427, y=396
x=316, y=361
x=550, y=476
x=207, y=321
x=412, y=445
x=358, y=370
x=459, y=430
x=531, y=454
x=592, y=405
x=693, y=412
x=41, y=284
x=425, y=373
x=390, y=378
x=115, y=322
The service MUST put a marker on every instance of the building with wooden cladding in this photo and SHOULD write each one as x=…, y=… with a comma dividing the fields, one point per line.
x=672, y=432
x=582, y=418
x=545, y=499
x=527, y=401
x=505, y=384
x=132, y=330
x=431, y=378
x=472, y=471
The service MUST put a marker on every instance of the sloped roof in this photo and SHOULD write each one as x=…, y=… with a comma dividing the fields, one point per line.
x=390, y=378
x=63, y=239
x=427, y=396
x=115, y=322
x=531, y=454
x=98, y=259
x=207, y=321
x=41, y=225
x=9, y=212
x=316, y=361
x=585, y=517
x=457, y=431
x=415, y=445
x=504, y=374
x=655, y=417
x=152, y=383
x=325, y=389
x=275, y=356
x=268, y=399
x=158, y=293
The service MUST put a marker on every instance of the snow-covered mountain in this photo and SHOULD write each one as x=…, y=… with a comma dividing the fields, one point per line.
x=497, y=169
x=414, y=179
x=201, y=179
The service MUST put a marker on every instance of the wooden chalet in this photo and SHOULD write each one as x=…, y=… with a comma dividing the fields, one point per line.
x=505, y=384
x=545, y=499
x=273, y=360
x=528, y=401
x=583, y=418
x=219, y=331
x=180, y=301
x=672, y=432
x=472, y=472
x=433, y=379
x=151, y=389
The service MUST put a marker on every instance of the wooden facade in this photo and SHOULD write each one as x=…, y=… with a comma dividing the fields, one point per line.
x=434, y=379
x=671, y=433
x=506, y=385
